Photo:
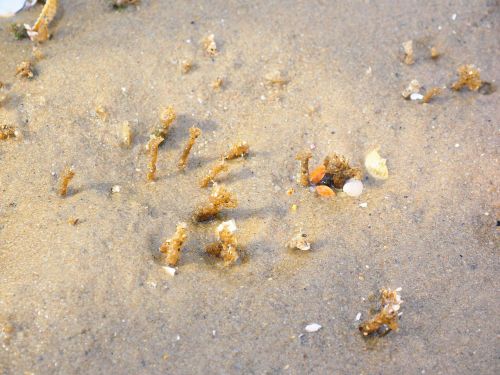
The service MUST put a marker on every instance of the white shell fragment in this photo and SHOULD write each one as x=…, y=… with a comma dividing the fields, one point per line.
x=413, y=87
x=10, y=7
x=376, y=165
x=416, y=96
x=170, y=270
x=353, y=187
x=116, y=189
x=313, y=327
x=299, y=242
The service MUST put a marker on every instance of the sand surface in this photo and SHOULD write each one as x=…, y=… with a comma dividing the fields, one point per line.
x=92, y=299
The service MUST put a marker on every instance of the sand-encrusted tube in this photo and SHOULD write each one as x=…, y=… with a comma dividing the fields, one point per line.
x=66, y=178
x=153, y=145
x=193, y=134
x=172, y=247
x=304, y=157
x=238, y=150
x=214, y=172
x=219, y=199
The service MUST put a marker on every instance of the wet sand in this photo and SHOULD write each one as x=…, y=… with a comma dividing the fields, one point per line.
x=91, y=299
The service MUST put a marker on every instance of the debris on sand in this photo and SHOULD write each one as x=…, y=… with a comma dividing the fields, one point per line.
x=435, y=53
x=227, y=245
x=171, y=248
x=209, y=45
x=194, y=133
x=375, y=165
x=468, y=75
x=7, y=132
x=40, y=30
x=214, y=172
x=167, y=117
x=238, y=150
x=66, y=178
x=299, y=242
x=219, y=199
x=431, y=93
x=73, y=221
x=153, y=145
x=19, y=31
x=313, y=327
x=340, y=170
x=413, y=88
x=122, y=4
x=25, y=69
x=325, y=191
x=102, y=112
x=186, y=66
x=127, y=134
x=304, y=157
x=353, y=187
x=276, y=78
x=408, y=49
x=217, y=84
x=387, y=318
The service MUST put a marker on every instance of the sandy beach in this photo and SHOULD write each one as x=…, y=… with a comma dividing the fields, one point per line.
x=94, y=298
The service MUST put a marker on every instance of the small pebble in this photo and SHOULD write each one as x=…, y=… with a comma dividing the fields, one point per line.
x=313, y=327
x=358, y=316
x=353, y=187
x=116, y=189
x=363, y=205
x=416, y=96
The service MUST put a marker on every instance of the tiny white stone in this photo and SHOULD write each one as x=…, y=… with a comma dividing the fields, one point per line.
x=363, y=205
x=358, y=316
x=170, y=270
x=416, y=96
x=116, y=189
x=353, y=187
x=454, y=16
x=457, y=145
x=313, y=327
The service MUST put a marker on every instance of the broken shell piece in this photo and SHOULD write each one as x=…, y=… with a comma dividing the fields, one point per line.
x=209, y=45
x=299, y=242
x=408, y=48
x=376, y=165
x=127, y=134
x=353, y=187
x=317, y=174
x=116, y=189
x=170, y=270
x=325, y=191
x=413, y=87
x=313, y=327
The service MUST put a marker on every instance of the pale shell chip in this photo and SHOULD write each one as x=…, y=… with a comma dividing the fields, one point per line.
x=376, y=165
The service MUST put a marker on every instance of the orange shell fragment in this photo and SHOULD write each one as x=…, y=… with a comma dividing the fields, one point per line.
x=325, y=191
x=317, y=174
